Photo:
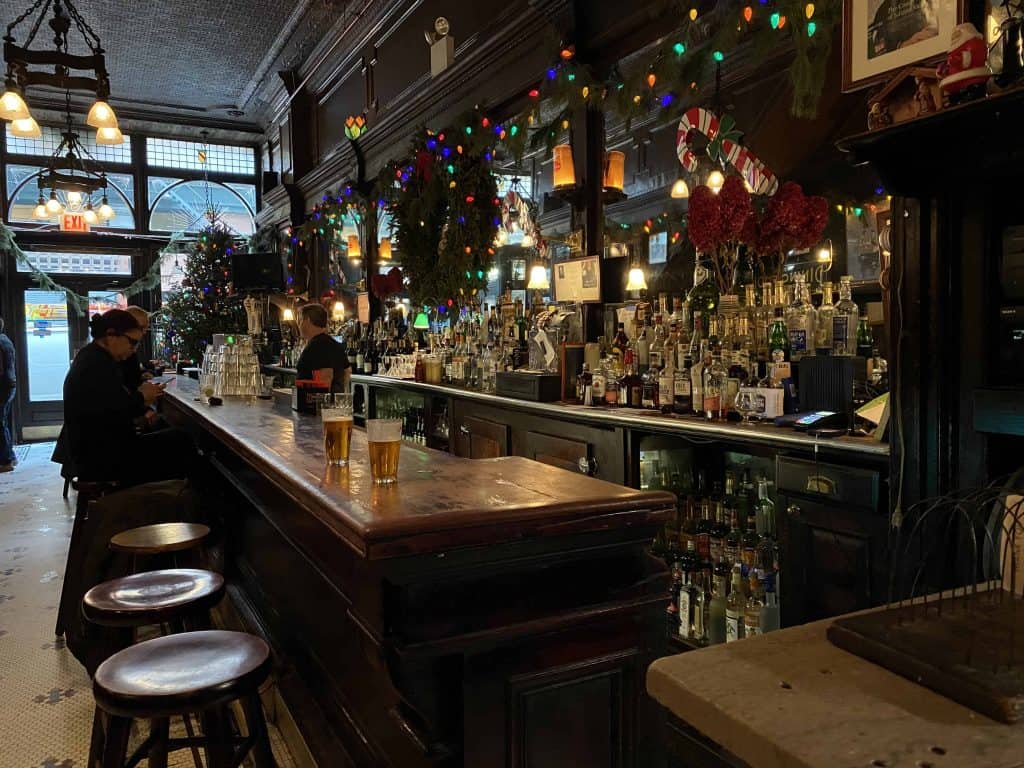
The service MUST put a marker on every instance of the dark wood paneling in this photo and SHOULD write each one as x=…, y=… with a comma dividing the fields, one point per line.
x=346, y=96
x=477, y=438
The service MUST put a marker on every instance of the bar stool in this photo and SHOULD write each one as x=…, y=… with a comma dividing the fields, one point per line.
x=163, y=540
x=169, y=676
x=178, y=598
x=88, y=492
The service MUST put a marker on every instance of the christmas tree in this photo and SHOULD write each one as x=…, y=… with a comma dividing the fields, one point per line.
x=205, y=304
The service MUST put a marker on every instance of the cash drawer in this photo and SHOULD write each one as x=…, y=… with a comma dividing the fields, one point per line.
x=828, y=482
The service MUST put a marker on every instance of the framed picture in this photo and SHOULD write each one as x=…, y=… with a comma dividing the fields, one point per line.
x=882, y=36
x=578, y=280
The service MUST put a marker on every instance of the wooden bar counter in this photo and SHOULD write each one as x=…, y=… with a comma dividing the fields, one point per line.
x=481, y=613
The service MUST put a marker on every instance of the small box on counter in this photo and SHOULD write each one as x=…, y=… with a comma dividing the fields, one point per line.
x=523, y=385
x=770, y=402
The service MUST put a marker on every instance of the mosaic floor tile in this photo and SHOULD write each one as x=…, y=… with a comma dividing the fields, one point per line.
x=46, y=708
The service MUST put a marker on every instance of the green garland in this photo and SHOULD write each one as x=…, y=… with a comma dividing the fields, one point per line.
x=79, y=304
x=444, y=204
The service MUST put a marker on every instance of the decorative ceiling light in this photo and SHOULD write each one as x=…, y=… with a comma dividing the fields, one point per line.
x=538, y=279
x=384, y=249
x=636, y=280
x=422, y=322
x=109, y=136
x=25, y=128
x=65, y=71
x=528, y=241
x=680, y=190
x=716, y=181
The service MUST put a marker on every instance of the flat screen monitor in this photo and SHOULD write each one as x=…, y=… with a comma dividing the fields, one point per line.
x=257, y=272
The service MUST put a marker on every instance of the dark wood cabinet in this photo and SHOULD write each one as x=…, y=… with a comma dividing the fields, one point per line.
x=833, y=536
x=573, y=455
x=477, y=438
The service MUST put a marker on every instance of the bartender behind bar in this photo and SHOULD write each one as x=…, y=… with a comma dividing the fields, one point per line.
x=321, y=353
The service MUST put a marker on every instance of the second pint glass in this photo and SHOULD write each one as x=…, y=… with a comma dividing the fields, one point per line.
x=336, y=415
x=384, y=440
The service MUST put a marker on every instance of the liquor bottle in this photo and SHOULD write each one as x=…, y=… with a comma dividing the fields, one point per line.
x=700, y=613
x=715, y=388
x=845, y=319
x=778, y=350
x=488, y=367
x=865, y=338
x=770, y=610
x=611, y=389
x=749, y=544
x=598, y=379
x=824, y=322
x=704, y=294
x=764, y=316
x=620, y=343
x=716, y=629
x=688, y=524
x=752, y=612
x=584, y=386
x=735, y=607
x=656, y=354
x=705, y=523
x=667, y=385
x=360, y=351
x=697, y=379
x=675, y=587
x=733, y=540
x=649, y=390
x=682, y=401
x=631, y=391
x=719, y=530
x=800, y=320
x=687, y=602
x=643, y=349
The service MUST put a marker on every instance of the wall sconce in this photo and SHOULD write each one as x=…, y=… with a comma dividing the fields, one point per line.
x=614, y=171
x=355, y=251
x=680, y=190
x=564, y=170
x=636, y=280
x=538, y=279
x=384, y=249
x=338, y=311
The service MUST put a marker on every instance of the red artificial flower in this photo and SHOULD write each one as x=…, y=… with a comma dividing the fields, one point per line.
x=705, y=220
x=734, y=208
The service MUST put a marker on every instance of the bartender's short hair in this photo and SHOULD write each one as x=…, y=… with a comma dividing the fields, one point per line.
x=316, y=314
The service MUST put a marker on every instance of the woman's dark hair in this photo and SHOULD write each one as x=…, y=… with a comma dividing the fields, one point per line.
x=116, y=320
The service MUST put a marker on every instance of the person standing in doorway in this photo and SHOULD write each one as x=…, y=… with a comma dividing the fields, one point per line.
x=8, y=383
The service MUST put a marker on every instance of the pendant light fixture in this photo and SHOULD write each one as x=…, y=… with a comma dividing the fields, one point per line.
x=101, y=116
x=680, y=190
x=716, y=181
x=12, y=106
x=636, y=280
x=538, y=278
x=422, y=322
x=25, y=128
x=384, y=249
x=109, y=136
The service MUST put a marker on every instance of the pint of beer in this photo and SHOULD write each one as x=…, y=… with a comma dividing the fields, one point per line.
x=384, y=441
x=336, y=414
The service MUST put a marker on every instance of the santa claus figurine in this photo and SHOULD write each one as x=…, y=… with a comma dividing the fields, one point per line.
x=965, y=71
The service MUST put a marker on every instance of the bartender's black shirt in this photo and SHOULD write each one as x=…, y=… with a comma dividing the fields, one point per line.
x=322, y=351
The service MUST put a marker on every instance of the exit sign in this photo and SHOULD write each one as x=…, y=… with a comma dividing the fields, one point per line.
x=73, y=222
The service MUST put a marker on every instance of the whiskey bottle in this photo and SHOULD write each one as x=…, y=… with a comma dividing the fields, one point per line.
x=824, y=322
x=697, y=379
x=735, y=607
x=704, y=294
x=715, y=384
x=719, y=530
x=683, y=389
x=770, y=610
x=631, y=391
x=690, y=570
x=845, y=319
x=584, y=386
x=667, y=385
x=865, y=339
x=716, y=625
x=599, y=377
x=800, y=320
x=643, y=349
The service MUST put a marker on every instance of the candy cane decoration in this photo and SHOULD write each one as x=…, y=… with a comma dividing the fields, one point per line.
x=742, y=159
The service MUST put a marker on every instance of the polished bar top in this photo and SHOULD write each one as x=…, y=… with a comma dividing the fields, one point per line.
x=791, y=699
x=439, y=501
x=637, y=419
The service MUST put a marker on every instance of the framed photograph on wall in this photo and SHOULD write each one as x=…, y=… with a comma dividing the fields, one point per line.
x=883, y=36
x=578, y=280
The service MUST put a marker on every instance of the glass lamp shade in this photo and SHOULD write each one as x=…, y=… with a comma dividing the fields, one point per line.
x=101, y=116
x=614, y=170
x=288, y=316
x=636, y=280
x=338, y=310
x=106, y=212
x=109, y=136
x=90, y=215
x=40, y=212
x=538, y=279
x=716, y=181
x=384, y=251
x=564, y=170
x=53, y=204
x=528, y=241
x=680, y=190
x=13, y=107
x=355, y=251
x=26, y=128
x=422, y=322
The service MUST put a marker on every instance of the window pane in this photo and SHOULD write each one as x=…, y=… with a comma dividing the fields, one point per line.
x=101, y=301
x=46, y=344
x=21, y=185
x=54, y=262
x=171, y=273
x=182, y=206
x=658, y=248
x=47, y=145
x=220, y=158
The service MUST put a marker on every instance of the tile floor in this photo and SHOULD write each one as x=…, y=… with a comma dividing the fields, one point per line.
x=46, y=704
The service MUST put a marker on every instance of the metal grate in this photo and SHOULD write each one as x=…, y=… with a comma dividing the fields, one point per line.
x=51, y=138
x=219, y=158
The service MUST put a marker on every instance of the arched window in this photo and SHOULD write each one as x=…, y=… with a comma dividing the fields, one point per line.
x=23, y=191
x=184, y=206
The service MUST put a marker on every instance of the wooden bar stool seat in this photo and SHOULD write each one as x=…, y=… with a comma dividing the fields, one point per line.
x=159, y=539
x=153, y=597
x=174, y=675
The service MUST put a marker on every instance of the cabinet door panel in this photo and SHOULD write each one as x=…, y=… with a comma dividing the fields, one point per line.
x=477, y=438
x=557, y=451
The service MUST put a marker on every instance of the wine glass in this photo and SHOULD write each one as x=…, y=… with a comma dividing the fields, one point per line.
x=746, y=404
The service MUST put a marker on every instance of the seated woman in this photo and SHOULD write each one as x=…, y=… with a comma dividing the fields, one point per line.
x=99, y=439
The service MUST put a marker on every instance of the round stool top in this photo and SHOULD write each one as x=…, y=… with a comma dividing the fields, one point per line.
x=152, y=597
x=158, y=538
x=181, y=673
